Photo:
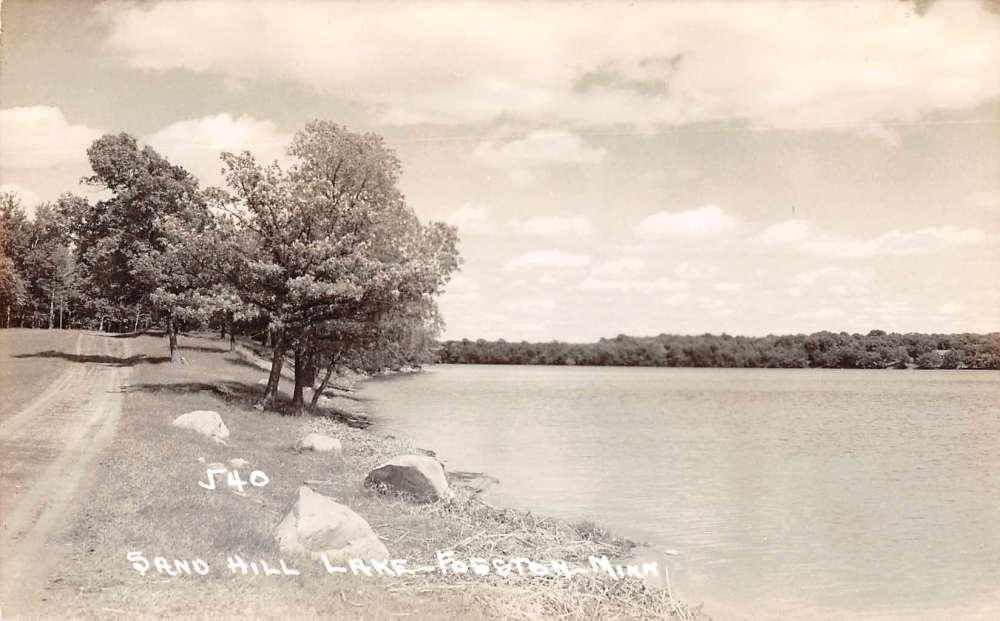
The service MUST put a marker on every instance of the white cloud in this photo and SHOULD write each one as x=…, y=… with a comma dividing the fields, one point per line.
x=728, y=287
x=521, y=177
x=538, y=148
x=40, y=136
x=828, y=313
x=461, y=289
x=532, y=306
x=834, y=281
x=699, y=222
x=807, y=238
x=828, y=275
x=478, y=219
x=644, y=286
x=897, y=243
x=787, y=232
x=196, y=144
x=548, y=259
x=553, y=226
x=620, y=267
x=800, y=65
x=473, y=219
x=689, y=271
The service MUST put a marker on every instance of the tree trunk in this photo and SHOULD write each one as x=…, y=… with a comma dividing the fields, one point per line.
x=324, y=383
x=222, y=330
x=62, y=305
x=277, y=361
x=172, y=337
x=135, y=327
x=100, y=326
x=232, y=333
x=52, y=310
x=301, y=360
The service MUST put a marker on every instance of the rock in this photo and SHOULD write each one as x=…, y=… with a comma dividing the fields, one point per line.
x=320, y=443
x=419, y=476
x=262, y=382
x=216, y=465
x=475, y=482
x=238, y=462
x=318, y=524
x=205, y=422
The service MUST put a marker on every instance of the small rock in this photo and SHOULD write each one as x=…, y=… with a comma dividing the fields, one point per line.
x=320, y=443
x=238, y=462
x=475, y=482
x=205, y=422
x=419, y=476
x=318, y=525
x=216, y=465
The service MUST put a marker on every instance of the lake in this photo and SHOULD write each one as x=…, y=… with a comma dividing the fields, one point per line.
x=803, y=494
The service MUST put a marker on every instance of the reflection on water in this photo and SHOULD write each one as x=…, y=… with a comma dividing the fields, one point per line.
x=789, y=493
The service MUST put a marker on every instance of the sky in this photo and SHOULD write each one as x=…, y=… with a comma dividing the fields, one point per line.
x=641, y=168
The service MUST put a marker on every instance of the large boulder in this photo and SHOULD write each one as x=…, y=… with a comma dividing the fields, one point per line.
x=318, y=525
x=320, y=443
x=205, y=422
x=419, y=476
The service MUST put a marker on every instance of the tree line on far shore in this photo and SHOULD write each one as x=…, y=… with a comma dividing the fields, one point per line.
x=830, y=350
x=323, y=260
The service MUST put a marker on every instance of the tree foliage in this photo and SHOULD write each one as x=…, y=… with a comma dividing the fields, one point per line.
x=325, y=256
x=329, y=251
x=877, y=350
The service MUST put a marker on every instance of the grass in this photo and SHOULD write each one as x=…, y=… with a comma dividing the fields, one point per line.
x=147, y=499
x=16, y=348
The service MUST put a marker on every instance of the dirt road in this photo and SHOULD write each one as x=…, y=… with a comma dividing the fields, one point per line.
x=47, y=454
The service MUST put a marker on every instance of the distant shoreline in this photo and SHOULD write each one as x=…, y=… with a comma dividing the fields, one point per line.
x=820, y=350
x=910, y=367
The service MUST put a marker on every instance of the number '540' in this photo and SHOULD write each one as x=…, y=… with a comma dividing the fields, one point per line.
x=233, y=479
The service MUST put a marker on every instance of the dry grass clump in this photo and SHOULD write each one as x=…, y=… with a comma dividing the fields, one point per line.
x=498, y=533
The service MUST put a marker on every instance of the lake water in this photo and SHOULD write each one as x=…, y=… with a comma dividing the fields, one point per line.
x=793, y=494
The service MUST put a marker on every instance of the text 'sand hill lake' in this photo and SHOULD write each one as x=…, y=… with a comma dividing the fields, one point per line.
x=816, y=493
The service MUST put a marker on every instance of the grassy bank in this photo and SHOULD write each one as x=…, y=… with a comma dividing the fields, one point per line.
x=24, y=353
x=147, y=499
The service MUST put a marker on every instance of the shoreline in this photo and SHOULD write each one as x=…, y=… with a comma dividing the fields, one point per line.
x=348, y=409
x=635, y=552
x=144, y=498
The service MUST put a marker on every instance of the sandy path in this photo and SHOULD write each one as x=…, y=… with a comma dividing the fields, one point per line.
x=47, y=450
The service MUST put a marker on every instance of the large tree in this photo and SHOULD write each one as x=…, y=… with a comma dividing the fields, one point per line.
x=14, y=240
x=49, y=268
x=329, y=246
x=123, y=242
